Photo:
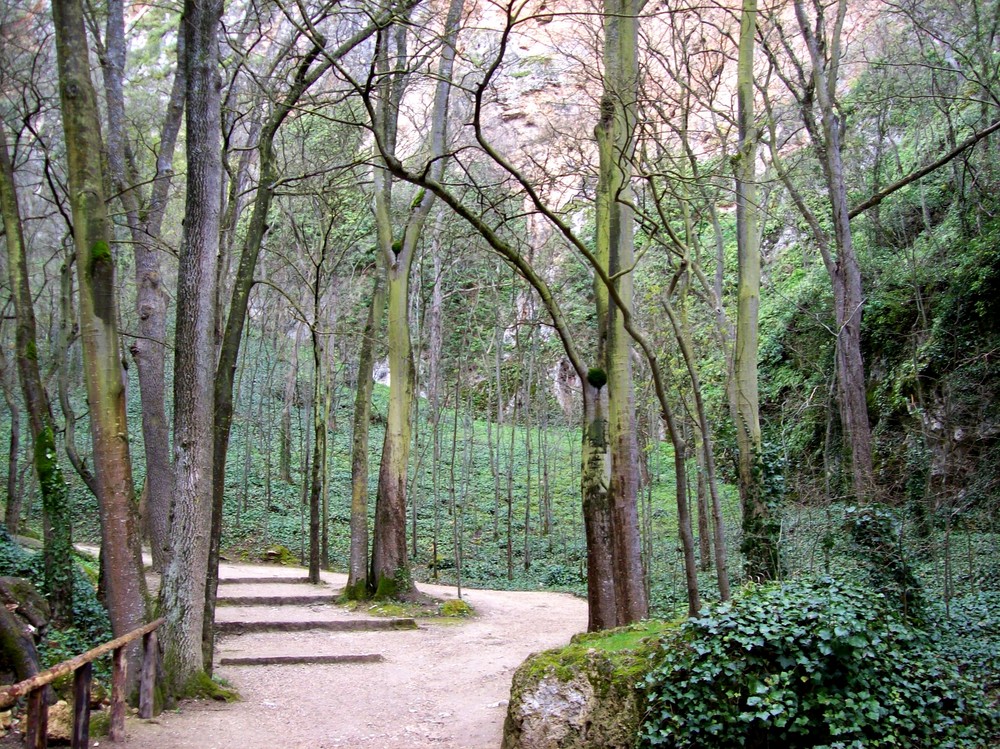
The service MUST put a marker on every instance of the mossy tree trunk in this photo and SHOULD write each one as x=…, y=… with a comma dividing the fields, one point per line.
x=182, y=593
x=760, y=543
x=390, y=573
x=597, y=522
x=58, y=550
x=615, y=252
x=125, y=586
x=12, y=508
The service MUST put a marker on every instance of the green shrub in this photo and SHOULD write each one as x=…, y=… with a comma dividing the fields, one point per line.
x=809, y=664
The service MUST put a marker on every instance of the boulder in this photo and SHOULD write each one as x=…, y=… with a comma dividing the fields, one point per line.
x=20, y=596
x=61, y=722
x=587, y=695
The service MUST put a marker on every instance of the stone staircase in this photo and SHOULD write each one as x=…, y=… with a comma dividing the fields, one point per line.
x=281, y=619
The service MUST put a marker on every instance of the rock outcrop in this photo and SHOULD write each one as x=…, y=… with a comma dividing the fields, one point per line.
x=585, y=696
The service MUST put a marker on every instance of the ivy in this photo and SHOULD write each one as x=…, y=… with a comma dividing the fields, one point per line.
x=809, y=664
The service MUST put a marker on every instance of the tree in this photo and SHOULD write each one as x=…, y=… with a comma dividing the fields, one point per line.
x=389, y=568
x=144, y=214
x=760, y=544
x=615, y=135
x=125, y=586
x=55, y=496
x=813, y=84
x=183, y=588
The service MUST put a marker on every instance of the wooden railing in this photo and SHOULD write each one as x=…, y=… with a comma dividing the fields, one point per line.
x=82, y=669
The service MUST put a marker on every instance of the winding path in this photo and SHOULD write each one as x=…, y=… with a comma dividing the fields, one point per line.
x=444, y=684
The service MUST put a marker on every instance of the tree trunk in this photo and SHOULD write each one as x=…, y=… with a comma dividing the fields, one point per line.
x=844, y=271
x=319, y=428
x=12, y=508
x=596, y=459
x=615, y=251
x=390, y=570
x=357, y=579
x=184, y=581
x=125, y=585
x=760, y=543
x=58, y=551
x=149, y=347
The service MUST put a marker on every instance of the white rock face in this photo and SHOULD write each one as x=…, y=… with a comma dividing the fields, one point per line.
x=554, y=712
x=593, y=709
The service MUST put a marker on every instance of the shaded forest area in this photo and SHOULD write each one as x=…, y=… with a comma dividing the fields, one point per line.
x=644, y=303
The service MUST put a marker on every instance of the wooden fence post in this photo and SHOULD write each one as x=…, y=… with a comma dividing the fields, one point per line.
x=38, y=720
x=81, y=705
x=119, y=674
x=147, y=681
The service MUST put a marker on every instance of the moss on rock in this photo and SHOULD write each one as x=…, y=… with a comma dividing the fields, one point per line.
x=582, y=696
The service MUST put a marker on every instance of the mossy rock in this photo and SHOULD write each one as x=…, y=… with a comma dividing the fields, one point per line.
x=280, y=555
x=582, y=696
x=456, y=608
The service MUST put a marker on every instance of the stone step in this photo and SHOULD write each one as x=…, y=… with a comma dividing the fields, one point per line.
x=295, y=660
x=270, y=580
x=296, y=600
x=332, y=625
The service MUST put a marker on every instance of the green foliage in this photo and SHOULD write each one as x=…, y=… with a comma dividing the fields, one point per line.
x=875, y=540
x=597, y=377
x=809, y=664
x=967, y=633
x=91, y=625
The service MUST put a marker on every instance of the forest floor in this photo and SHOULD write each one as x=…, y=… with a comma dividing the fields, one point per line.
x=444, y=684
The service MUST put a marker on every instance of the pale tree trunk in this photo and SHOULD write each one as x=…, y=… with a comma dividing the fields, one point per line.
x=390, y=574
x=144, y=223
x=357, y=579
x=58, y=551
x=615, y=251
x=760, y=545
x=183, y=588
x=390, y=570
x=125, y=586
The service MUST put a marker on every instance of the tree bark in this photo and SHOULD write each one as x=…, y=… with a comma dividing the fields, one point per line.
x=595, y=467
x=58, y=551
x=357, y=580
x=184, y=581
x=125, y=587
x=615, y=251
x=844, y=270
x=390, y=573
x=144, y=223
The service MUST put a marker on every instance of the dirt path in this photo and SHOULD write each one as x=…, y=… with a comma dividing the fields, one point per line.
x=442, y=685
